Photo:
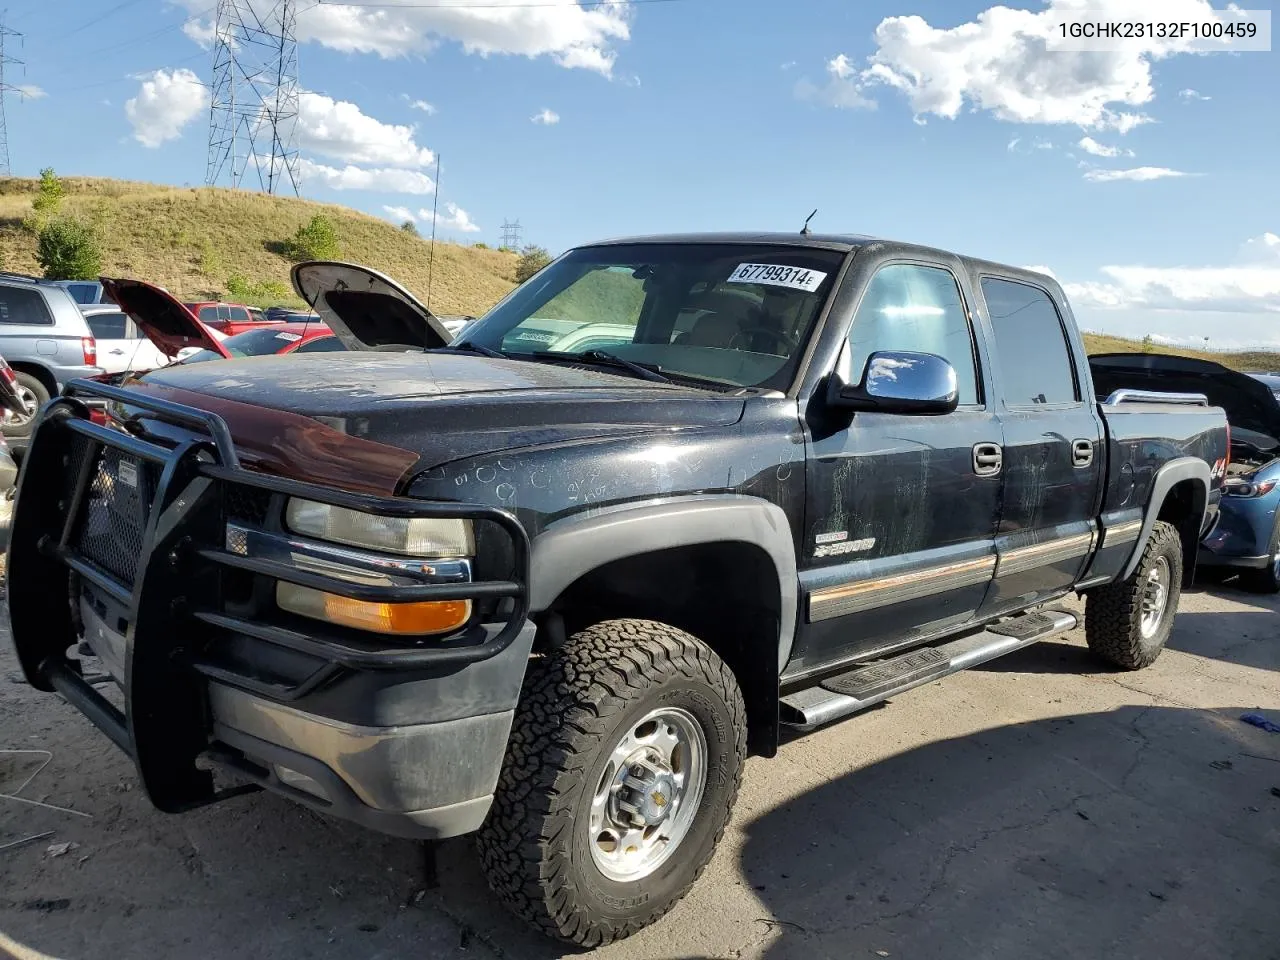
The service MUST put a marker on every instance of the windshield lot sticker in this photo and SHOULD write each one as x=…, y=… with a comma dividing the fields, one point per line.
x=289, y=336
x=772, y=275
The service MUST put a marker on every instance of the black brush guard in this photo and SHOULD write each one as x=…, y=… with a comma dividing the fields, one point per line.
x=164, y=726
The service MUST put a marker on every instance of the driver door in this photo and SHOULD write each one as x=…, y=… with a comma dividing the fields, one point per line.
x=902, y=510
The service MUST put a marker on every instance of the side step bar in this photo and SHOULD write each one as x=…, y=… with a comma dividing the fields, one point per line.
x=873, y=683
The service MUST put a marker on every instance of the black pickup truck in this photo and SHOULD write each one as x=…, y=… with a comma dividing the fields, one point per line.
x=553, y=581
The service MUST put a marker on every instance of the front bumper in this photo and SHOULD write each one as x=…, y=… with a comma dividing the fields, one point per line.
x=1242, y=536
x=406, y=736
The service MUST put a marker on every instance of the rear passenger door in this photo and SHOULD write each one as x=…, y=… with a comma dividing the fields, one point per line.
x=901, y=515
x=1053, y=453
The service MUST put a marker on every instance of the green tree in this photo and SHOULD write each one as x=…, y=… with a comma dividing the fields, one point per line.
x=315, y=240
x=68, y=249
x=48, y=195
x=1148, y=344
x=480, y=245
x=533, y=259
x=257, y=293
x=410, y=228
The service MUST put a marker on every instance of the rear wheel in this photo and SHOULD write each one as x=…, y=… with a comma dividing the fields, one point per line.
x=1266, y=579
x=625, y=757
x=1128, y=622
x=34, y=396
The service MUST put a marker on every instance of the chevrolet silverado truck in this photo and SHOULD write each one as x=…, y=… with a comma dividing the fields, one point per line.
x=554, y=594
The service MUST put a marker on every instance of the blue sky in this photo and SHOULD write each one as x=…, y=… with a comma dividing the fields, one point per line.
x=945, y=123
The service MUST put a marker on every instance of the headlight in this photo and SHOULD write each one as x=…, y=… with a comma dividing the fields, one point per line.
x=416, y=537
x=1245, y=489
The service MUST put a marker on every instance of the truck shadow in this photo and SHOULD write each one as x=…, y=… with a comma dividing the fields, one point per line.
x=1140, y=832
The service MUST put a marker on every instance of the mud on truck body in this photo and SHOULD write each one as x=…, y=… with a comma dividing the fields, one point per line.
x=557, y=596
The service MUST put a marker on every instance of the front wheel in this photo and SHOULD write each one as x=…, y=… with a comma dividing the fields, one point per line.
x=625, y=758
x=33, y=395
x=1127, y=622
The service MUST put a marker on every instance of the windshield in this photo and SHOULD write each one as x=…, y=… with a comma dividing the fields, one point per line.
x=735, y=315
x=252, y=343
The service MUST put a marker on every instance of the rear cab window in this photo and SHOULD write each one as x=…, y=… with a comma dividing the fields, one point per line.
x=1031, y=349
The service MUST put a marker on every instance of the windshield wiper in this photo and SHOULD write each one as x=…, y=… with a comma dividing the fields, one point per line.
x=474, y=347
x=604, y=358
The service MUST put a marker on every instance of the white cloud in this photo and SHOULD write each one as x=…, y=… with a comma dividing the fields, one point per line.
x=454, y=218
x=1013, y=144
x=546, y=117
x=999, y=62
x=166, y=102
x=1042, y=144
x=1039, y=269
x=1134, y=173
x=1251, y=285
x=1190, y=94
x=350, y=177
x=400, y=214
x=574, y=36
x=842, y=88
x=202, y=32
x=422, y=105
x=1090, y=145
x=339, y=129
x=31, y=91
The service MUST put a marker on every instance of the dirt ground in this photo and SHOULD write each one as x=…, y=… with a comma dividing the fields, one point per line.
x=1041, y=807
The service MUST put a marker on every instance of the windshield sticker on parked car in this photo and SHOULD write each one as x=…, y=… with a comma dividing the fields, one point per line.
x=772, y=275
x=289, y=336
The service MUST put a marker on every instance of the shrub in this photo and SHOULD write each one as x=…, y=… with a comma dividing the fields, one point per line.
x=48, y=195
x=480, y=245
x=531, y=261
x=257, y=293
x=410, y=228
x=1148, y=344
x=315, y=240
x=68, y=249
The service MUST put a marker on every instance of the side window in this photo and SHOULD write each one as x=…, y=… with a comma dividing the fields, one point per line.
x=208, y=315
x=918, y=308
x=23, y=306
x=239, y=314
x=321, y=345
x=108, y=326
x=224, y=312
x=1031, y=347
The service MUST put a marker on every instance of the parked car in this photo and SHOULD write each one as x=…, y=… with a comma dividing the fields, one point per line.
x=47, y=342
x=1246, y=537
x=228, y=318
x=279, y=338
x=83, y=292
x=557, y=597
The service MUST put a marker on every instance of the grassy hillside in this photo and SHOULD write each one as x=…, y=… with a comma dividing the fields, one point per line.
x=191, y=240
x=1257, y=360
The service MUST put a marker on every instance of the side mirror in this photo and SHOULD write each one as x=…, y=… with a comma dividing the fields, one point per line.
x=900, y=382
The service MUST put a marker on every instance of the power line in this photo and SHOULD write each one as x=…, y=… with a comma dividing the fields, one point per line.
x=5, y=87
x=391, y=5
x=99, y=18
x=511, y=234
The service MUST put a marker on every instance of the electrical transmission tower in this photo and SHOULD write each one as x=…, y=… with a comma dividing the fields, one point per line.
x=511, y=234
x=5, y=87
x=253, y=117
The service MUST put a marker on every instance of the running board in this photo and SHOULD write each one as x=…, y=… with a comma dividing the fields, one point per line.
x=876, y=682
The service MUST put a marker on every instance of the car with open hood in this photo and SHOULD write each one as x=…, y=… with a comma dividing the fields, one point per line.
x=553, y=582
x=1246, y=537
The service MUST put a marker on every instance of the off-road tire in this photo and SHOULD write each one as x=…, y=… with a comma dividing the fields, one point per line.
x=1266, y=580
x=40, y=392
x=575, y=703
x=1113, y=613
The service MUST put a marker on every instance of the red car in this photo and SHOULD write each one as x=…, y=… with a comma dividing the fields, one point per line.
x=228, y=318
x=272, y=338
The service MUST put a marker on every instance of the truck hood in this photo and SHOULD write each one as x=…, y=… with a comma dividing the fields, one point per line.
x=367, y=310
x=165, y=320
x=1249, y=403
x=445, y=406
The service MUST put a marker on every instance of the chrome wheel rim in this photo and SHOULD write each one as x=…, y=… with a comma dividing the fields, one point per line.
x=1155, y=597
x=29, y=403
x=647, y=796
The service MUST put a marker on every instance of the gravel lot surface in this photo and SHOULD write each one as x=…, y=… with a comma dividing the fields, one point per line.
x=1040, y=807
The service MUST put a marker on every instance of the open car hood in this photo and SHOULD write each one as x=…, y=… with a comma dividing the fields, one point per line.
x=166, y=321
x=367, y=310
x=1249, y=403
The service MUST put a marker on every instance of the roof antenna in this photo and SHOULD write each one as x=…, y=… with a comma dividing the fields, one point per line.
x=805, y=231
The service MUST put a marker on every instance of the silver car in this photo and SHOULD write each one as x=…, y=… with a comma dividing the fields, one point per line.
x=46, y=340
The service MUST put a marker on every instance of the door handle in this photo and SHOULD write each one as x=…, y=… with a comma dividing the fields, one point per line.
x=118, y=352
x=988, y=459
x=1082, y=453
